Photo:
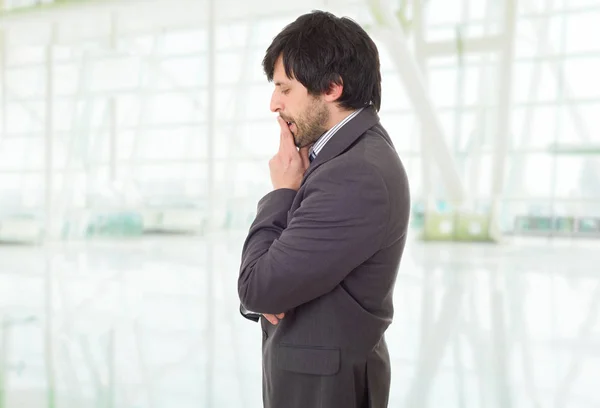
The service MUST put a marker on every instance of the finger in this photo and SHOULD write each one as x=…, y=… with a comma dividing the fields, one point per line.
x=280, y=315
x=285, y=134
x=304, y=155
x=271, y=318
x=286, y=139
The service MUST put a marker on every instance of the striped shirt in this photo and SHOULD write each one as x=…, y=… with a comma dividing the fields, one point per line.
x=319, y=144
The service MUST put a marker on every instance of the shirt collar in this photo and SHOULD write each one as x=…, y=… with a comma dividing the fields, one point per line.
x=320, y=143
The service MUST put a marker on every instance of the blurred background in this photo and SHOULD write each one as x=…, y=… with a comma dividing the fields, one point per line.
x=134, y=146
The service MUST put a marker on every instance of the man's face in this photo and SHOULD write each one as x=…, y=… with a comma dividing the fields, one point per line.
x=306, y=115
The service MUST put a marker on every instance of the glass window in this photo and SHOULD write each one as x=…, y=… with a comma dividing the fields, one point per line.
x=579, y=4
x=535, y=81
x=440, y=33
x=479, y=172
x=589, y=177
x=537, y=178
x=256, y=74
x=162, y=143
x=569, y=180
x=184, y=41
x=386, y=62
x=244, y=179
x=27, y=82
x=442, y=86
x=443, y=11
x=471, y=132
x=236, y=34
x=539, y=36
x=114, y=73
x=471, y=81
x=25, y=54
x=579, y=123
x=175, y=107
x=583, y=32
x=478, y=9
x=534, y=126
x=67, y=79
x=393, y=94
x=178, y=72
x=240, y=140
x=251, y=102
x=579, y=74
x=21, y=153
x=414, y=172
x=404, y=131
x=230, y=68
x=24, y=117
x=267, y=29
x=129, y=107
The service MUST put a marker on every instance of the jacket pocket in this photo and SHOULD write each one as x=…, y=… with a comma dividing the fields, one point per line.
x=307, y=359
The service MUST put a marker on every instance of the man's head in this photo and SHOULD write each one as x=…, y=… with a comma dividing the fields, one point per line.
x=322, y=66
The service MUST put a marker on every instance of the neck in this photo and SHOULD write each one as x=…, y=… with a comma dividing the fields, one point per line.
x=336, y=115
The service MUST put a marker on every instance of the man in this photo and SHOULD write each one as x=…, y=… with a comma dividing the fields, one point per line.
x=320, y=260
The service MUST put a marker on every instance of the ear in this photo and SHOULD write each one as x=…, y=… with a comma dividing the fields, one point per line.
x=334, y=92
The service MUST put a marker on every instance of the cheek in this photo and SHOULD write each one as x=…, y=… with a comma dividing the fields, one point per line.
x=298, y=113
x=294, y=117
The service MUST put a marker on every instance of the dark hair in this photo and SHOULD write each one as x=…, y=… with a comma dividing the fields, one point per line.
x=319, y=49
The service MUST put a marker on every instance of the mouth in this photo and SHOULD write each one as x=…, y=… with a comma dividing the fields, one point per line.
x=289, y=123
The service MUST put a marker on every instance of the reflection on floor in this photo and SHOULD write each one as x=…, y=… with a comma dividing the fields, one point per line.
x=155, y=324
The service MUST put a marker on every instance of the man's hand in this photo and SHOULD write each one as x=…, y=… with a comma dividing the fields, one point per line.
x=289, y=164
x=287, y=169
x=274, y=319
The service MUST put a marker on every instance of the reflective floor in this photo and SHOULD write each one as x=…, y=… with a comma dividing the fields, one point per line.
x=154, y=323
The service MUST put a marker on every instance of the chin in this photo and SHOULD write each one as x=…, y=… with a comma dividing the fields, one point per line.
x=305, y=143
x=299, y=142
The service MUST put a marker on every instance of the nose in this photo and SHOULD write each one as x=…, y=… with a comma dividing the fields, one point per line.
x=276, y=105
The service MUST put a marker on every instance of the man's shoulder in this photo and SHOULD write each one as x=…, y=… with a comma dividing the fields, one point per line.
x=349, y=168
x=372, y=154
x=374, y=147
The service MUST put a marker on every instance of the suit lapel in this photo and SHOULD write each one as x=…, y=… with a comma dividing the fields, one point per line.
x=344, y=137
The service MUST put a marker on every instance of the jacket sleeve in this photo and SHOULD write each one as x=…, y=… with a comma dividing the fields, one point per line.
x=271, y=220
x=340, y=223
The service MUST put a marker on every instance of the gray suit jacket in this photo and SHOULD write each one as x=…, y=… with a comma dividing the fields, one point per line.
x=328, y=257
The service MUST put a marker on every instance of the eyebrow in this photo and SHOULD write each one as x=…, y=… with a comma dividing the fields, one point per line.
x=279, y=83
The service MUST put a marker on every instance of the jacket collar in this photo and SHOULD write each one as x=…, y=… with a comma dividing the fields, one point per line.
x=344, y=137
